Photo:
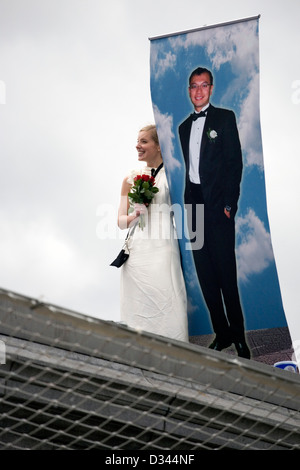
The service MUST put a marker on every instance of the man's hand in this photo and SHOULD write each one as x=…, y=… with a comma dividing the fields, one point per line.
x=227, y=213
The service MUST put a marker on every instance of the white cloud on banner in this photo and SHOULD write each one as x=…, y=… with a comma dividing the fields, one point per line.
x=164, y=123
x=163, y=64
x=234, y=43
x=249, y=126
x=254, y=251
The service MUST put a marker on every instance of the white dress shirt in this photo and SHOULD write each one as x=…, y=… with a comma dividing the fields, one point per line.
x=195, y=143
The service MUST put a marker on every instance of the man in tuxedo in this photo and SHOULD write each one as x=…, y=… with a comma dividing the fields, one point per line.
x=212, y=153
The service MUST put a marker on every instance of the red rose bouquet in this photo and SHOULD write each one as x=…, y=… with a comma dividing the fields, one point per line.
x=142, y=192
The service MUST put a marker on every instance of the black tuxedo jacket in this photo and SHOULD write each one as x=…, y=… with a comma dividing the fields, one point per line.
x=220, y=166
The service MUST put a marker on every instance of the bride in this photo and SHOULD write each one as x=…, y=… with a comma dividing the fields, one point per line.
x=153, y=295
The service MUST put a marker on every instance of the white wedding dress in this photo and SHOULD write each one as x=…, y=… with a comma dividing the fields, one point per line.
x=153, y=294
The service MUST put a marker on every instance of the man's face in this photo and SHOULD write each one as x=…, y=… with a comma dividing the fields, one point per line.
x=200, y=90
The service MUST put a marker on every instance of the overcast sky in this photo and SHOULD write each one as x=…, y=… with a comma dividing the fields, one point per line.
x=74, y=91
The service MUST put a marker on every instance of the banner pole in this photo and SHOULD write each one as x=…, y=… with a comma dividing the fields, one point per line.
x=205, y=27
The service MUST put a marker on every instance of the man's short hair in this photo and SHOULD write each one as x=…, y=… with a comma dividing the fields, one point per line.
x=199, y=71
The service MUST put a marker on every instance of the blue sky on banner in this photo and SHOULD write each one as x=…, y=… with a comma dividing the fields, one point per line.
x=231, y=51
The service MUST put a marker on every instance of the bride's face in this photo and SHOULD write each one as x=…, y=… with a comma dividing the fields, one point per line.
x=148, y=150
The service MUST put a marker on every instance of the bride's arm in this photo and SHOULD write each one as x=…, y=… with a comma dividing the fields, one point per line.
x=124, y=220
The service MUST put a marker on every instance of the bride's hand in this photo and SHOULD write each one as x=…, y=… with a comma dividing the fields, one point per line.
x=140, y=209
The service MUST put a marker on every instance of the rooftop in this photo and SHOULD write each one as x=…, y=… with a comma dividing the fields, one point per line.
x=70, y=381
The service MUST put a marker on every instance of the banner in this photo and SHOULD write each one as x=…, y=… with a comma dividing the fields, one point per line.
x=231, y=53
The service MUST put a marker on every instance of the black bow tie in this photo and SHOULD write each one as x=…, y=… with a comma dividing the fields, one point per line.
x=197, y=115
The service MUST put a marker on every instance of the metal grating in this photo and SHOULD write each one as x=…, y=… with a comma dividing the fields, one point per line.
x=78, y=383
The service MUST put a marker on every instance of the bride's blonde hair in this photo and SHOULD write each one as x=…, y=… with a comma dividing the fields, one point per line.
x=153, y=132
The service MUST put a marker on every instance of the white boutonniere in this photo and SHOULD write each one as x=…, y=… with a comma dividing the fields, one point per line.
x=212, y=135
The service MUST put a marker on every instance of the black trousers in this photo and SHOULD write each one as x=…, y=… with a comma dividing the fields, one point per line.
x=215, y=264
